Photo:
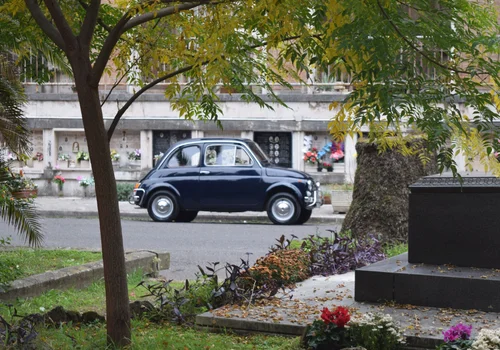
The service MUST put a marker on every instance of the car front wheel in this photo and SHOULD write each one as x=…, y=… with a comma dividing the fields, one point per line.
x=163, y=207
x=305, y=215
x=283, y=209
x=186, y=216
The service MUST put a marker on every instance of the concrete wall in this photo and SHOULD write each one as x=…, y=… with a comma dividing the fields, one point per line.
x=57, y=125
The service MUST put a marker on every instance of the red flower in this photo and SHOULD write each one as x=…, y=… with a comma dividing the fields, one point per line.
x=340, y=316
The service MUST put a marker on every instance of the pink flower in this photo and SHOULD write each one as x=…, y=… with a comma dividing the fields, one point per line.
x=459, y=331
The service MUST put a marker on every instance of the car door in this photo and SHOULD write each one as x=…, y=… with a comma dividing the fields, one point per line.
x=181, y=171
x=230, y=179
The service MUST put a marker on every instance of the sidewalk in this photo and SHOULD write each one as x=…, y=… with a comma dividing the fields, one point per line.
x=87, y=207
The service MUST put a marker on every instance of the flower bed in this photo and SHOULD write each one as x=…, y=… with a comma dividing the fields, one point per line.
x=335, y=330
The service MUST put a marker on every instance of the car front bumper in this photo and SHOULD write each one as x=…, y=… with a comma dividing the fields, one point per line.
x=315, y=200
x=138, y=195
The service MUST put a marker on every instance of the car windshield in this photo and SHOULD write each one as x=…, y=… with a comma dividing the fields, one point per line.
x=257, y=151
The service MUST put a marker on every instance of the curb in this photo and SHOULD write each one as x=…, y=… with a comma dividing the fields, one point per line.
x=82, y=275
x=200, y=218
x=210, y=322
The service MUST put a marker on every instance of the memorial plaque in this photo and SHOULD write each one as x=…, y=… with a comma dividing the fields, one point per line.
x=277, y=146
x=163, y=139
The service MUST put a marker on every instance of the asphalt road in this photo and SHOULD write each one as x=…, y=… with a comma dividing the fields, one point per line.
x=189, y=244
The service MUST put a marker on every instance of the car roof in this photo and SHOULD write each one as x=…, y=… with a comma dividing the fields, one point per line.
x=210, y=139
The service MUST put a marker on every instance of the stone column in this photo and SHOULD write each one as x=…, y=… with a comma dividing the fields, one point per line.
x=350, y=158
x=247, y=135
x=197, y=134
x=146, y=149
x=297, y=150
x=49, y=148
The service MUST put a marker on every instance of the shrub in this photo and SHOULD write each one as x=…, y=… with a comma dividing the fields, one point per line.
x=280, y=268
x=341, y=253
x=20, y=334
x=177, y=305
x=124, y=190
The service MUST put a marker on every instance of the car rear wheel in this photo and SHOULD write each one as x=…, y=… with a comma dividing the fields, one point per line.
x=283, y=209
x=305, y=215
x=186, y=216
x=163, y=207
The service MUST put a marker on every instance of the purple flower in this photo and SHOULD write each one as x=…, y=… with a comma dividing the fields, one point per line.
x=457, y=332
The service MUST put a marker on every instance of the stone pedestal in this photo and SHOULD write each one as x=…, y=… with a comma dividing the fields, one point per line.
x=455, y=223
x=453, y=258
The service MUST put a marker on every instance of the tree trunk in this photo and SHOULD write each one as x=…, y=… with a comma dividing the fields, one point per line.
x=381, y=194
x=115, y=276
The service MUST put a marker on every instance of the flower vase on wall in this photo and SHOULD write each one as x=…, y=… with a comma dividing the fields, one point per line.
x=319, y=168
x=60, y=190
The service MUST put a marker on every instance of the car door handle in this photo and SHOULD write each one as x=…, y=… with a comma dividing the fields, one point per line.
x=204, y=172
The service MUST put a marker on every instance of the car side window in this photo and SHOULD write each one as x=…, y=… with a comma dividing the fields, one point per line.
x=226, y=155
x=242, y=157
x=186, y=156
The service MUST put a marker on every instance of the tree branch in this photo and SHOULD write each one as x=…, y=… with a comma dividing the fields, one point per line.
x=45, y=24
x=125, y=23
x=162, y=13
x=145, y=88
x=107, y=49
x=423, y=53
x=99, y=20
x=61, y=24
x=88, y=26
x=131, y=66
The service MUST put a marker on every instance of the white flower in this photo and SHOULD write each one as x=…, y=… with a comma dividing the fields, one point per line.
x=487, y=339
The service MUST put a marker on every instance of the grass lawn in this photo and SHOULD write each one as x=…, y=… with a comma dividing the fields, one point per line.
x=91, y=298
x=146, y=335
x=25, y=262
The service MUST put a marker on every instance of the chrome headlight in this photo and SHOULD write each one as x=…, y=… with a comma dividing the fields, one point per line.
x=309, y=185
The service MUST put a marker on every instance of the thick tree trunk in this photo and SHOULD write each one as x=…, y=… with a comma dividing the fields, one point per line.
x=381, y=194
x=115, y=277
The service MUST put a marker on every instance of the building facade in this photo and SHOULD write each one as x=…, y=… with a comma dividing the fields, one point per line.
x=150, y=126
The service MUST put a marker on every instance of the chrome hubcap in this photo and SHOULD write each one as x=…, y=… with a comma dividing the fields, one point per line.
x=163, y=207
x=283, y=209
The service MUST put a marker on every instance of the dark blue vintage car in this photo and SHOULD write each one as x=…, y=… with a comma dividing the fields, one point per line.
x=225, y=175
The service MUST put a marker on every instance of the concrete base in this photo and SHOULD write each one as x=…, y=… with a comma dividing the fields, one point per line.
x=82, y=276
x=443, y=286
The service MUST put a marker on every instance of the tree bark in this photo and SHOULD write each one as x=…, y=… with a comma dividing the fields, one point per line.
x=381, y=195
x=115, y=277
